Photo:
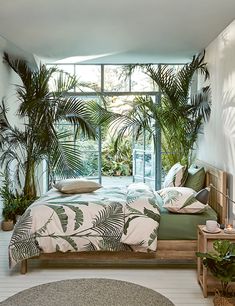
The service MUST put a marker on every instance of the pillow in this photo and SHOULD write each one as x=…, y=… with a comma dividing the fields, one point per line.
x=196, y=178
x=77, y=186
x=139, y=190
x=181, y=200
x=176, y=176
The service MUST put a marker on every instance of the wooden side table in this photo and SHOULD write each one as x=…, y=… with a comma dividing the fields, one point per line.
x=205, y=244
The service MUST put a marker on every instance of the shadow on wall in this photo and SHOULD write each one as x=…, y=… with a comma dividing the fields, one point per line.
x=228, y=103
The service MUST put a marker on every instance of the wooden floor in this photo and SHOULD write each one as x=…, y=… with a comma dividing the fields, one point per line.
x=178, y=284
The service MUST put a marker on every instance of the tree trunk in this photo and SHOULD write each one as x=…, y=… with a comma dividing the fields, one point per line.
x=29, y=185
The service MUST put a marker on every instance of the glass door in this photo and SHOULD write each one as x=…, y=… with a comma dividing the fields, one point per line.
x=147, y=156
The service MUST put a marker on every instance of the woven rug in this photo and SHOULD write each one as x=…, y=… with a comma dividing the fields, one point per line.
x=87, y=292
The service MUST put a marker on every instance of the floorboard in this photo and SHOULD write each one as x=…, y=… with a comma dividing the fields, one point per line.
x=178, y=284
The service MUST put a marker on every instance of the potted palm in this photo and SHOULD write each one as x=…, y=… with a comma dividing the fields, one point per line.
x=221, y=263
x=180, y=115
x=43, y=102
x=9, y=208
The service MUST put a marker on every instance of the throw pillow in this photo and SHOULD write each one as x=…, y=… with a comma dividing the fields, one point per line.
x=196, y=178
x=77, y=186
x=181, y=200
x=137, y=190
x=176, y=176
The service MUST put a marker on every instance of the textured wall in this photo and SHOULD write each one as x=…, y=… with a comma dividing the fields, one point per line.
x=217, y=145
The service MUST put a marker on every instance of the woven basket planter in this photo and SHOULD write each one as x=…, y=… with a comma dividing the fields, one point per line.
x=223, y=301
x=7, y=225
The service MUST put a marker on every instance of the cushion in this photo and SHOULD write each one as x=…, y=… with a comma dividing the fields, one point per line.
x=181, y=200
x=77, y=186
x=176, y=176
x=139, y=190
x=196, y=178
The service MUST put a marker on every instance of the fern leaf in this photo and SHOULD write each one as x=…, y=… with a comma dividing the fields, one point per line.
x=109, y=219
x=22, y=228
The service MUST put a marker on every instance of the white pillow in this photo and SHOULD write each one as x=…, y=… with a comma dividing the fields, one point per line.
x=176, y=176
x=181, y=200
x=77, y=186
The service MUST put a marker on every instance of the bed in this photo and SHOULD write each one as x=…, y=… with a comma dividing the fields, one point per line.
x=169, y=246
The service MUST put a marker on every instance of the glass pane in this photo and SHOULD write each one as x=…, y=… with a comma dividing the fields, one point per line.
x=142, y=82
x=139, y=160
x=119, y=104
x=66, y=69
x=90, y=163
x=89, y=77
x=148, y=165
x=115, y=79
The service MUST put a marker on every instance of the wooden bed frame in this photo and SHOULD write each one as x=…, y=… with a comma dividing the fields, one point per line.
x=176, y=250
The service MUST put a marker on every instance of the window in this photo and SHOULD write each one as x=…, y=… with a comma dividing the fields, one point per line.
x=119, y=90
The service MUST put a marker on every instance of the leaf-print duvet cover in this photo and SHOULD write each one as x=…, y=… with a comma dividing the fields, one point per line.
x=108, y=219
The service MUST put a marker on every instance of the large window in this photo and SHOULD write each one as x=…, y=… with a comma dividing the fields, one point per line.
x=118, y=89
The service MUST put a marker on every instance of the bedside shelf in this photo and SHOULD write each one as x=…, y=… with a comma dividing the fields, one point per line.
x=205, y=244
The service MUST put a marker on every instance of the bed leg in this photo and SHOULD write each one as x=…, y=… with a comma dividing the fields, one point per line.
x=23, y=267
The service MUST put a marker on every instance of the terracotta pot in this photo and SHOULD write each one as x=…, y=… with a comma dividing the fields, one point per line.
x=7, y=225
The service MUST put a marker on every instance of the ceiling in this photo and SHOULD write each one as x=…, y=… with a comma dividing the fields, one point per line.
x=106, y=31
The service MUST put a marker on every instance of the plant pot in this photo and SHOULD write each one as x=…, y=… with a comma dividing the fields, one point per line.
x=223, y=301
x=7, y=225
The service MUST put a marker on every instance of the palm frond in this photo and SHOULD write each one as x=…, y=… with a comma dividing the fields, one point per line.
x=109, y=220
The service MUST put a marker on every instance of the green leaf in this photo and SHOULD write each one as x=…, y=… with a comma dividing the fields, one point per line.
x=109, y=219
x=78, y=216
x=189, y=201
x=127, y=223
x=70, y=241
x=149, y=213
x=59, y=210
x=153, y=236
x=152, y=201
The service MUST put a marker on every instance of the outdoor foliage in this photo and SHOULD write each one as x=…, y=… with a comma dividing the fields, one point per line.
x=221, y=263
x=179, y=115
x=42, y=103
x=13, y=203
x=117, y=161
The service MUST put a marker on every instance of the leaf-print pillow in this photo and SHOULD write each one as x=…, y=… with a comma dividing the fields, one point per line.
x=176, y=176
x=181, y=200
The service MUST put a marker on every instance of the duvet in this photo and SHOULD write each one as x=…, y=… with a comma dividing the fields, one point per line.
x=105, y=220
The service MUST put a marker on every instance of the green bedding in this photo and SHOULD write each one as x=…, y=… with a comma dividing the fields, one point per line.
x=182, y=226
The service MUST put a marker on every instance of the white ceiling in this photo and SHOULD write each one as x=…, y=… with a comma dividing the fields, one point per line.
x=109, y=31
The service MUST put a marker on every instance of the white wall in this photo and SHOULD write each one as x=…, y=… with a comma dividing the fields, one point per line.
x=8, y=79
x=217, y=145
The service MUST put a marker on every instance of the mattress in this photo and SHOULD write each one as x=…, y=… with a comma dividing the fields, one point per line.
x=182, y=226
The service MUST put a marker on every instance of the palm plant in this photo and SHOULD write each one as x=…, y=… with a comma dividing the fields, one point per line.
x=179, y=115
x=40, y=108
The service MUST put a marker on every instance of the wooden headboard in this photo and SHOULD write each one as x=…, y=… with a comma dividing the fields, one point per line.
x=218, y=179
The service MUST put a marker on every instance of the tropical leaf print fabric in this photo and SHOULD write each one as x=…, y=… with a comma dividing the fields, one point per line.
x=176, y=176
x=86, y=222
x=181, y=200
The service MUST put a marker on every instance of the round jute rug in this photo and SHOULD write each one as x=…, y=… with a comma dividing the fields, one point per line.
x=88, y=292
